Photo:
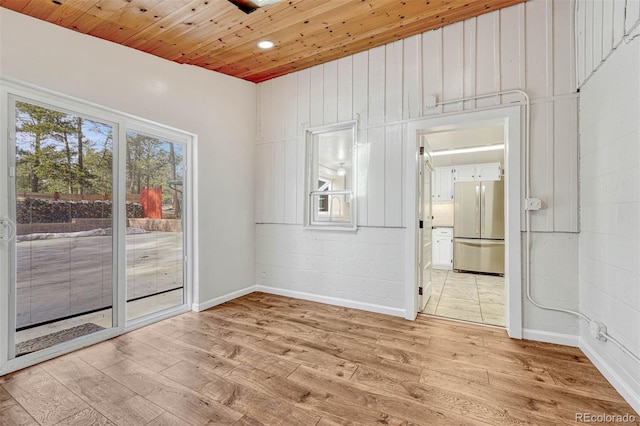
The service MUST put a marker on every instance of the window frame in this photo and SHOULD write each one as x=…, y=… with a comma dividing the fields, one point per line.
x=311, y=176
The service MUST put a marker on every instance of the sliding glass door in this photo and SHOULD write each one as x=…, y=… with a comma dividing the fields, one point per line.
x=60, y=198
x=155, y=238
x=94, y=214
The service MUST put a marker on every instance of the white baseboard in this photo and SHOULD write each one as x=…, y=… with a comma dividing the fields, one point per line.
x=617, y=381
x=198, y=307
x=396, y=312
x=551, y=337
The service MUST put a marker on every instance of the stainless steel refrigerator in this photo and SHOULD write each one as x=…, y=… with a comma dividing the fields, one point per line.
x=478, y=227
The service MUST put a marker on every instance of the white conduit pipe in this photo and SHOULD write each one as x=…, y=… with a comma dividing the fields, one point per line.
x=527, y=177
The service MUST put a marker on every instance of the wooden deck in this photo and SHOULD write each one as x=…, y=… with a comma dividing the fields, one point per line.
x=272, y=360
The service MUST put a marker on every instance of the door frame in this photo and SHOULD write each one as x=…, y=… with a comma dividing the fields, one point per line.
x=425, y=166
x=121, y=122
x=510, y=118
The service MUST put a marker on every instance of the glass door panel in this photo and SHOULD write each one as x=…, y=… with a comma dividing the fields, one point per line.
x=155, y=239
x=62, y=191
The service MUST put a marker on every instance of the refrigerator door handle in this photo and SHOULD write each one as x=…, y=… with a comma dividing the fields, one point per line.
x=476, y=219
x=483, y=211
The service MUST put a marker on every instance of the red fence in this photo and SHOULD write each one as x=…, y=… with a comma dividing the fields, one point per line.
x=151, y=200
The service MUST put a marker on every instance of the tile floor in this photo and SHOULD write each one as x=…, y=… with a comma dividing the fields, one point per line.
x=469, y=297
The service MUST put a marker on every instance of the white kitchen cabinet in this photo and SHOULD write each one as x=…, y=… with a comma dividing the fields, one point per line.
x=465, y=173
x=442, y=253
x=442, y=184
x=477, y=172
x=489, y=171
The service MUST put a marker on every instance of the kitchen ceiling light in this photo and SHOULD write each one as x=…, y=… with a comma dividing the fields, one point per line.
x=467, y=150
x=266, y=44
x=341, y=170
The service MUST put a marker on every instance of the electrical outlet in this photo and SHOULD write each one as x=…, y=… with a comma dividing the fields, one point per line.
x=533, y=204
x=598, y=331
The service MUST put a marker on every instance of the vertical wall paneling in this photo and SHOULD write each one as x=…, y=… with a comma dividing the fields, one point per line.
x=607, y=27
x=539, y=33
x=376, y=85
x=580, y=45
x=393, y=175
x=345, y=89
x=363, y=172
x=279, y=111
x=290, y=95
x=260, y=105
x=264, y=183
x=632, y=15
x=291, y=181
x=542, y=157
x=304, y=119
x=525, y=46
x=316, y=97
x=267, y=111
x=565, y=165
x=376, y=177
x=597, y=32
x=469, y=61
x=393, y=81
x=512, y=57
x=278, y=182
x=361, y=88
x=432, y=67
x=412, y=77
x=564, y=74
x=452, y=64
x=618, y=19
x=330, y=87
x=588, y=43
x=488, y=57
x=301, y=196
x=304, y=102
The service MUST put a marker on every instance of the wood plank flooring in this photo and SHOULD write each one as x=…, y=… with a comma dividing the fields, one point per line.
x=271, y=360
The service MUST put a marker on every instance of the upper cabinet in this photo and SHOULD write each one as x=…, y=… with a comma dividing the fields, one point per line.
x=477, y=172
x=442, y=184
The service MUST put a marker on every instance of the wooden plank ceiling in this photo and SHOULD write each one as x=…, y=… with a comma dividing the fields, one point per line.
x=216, y=35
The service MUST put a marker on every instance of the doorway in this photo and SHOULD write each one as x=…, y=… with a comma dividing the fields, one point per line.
x=468, y=224
x=493, y=291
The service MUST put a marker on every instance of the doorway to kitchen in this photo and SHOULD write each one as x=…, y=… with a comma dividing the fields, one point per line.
x=476, y=263
x=468, y=224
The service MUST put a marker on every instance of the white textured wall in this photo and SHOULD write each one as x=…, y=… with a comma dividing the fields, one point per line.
x=218, y=108
x=529, y=46
x=610, y=210
x=365, y=268
x=601, y=26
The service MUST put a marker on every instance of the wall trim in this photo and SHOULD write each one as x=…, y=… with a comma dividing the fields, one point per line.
x=336, y=301
x=199, y=307
x=551, y=337
x=617, y=381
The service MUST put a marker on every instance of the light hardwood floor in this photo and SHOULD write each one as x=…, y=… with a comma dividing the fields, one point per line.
x=265, y=359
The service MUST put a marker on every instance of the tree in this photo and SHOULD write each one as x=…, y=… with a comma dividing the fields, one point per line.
x=55, y=152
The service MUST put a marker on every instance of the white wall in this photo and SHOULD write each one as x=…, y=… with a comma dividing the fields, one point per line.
x=610, y=203
x=528, y=46
x=218, y=108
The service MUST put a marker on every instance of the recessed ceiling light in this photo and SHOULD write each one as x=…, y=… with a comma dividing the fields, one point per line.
x=266, y=44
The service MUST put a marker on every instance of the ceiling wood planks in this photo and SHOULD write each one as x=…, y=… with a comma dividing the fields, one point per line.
x=216, y=35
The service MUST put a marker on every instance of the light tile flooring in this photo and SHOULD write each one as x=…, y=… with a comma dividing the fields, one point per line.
x=469, y=297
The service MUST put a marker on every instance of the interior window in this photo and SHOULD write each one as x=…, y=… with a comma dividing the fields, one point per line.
x=331, y=176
